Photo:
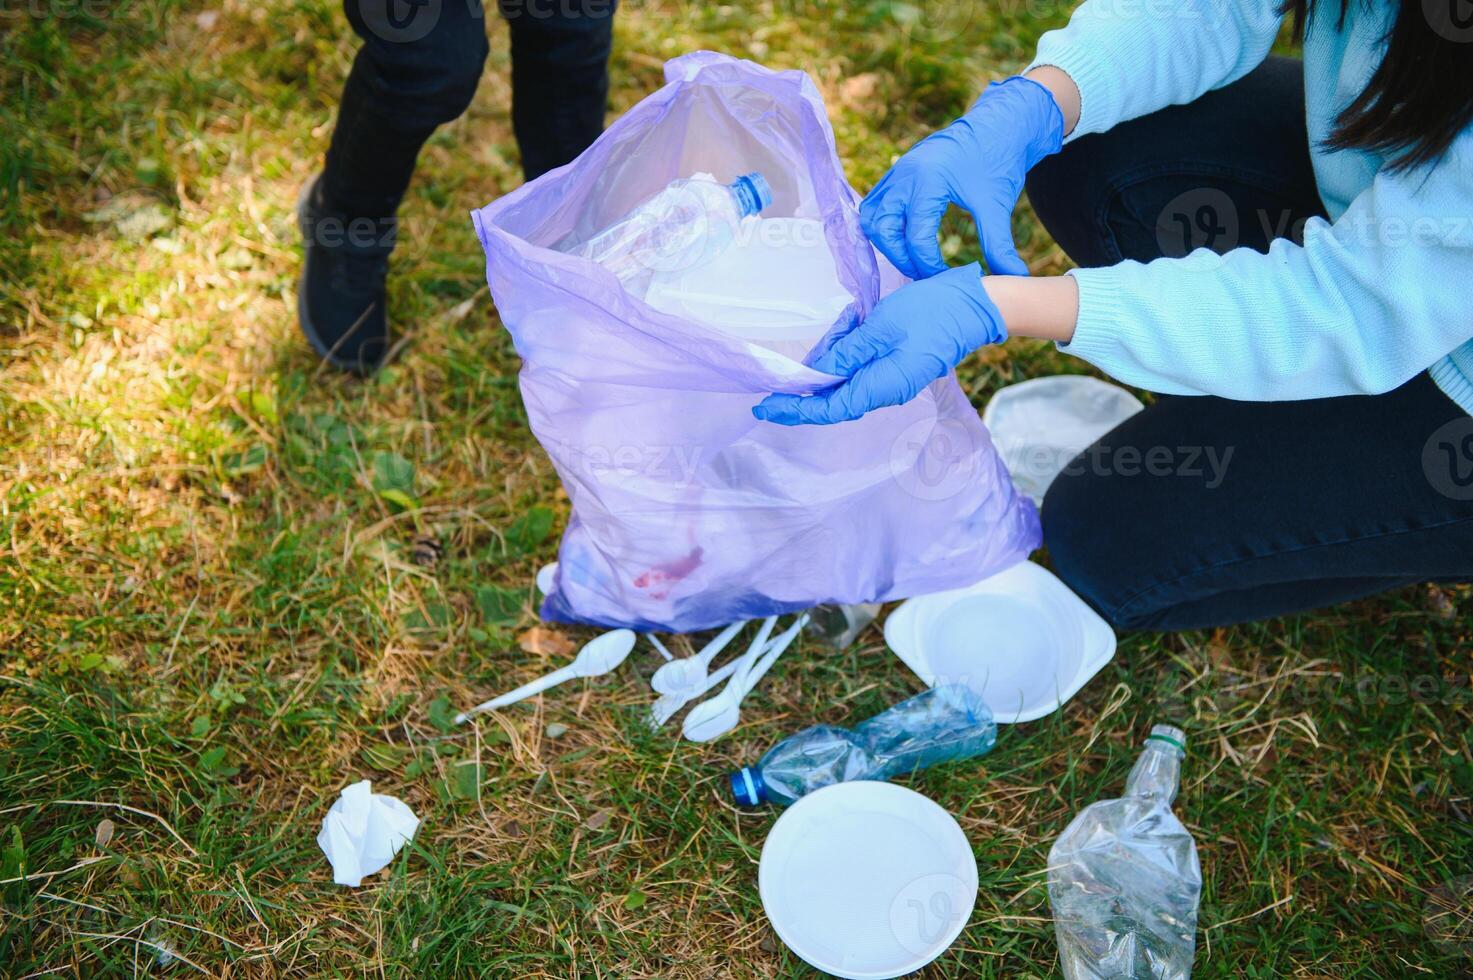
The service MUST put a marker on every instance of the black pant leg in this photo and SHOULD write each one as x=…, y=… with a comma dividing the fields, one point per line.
x=417, y=69
x=560, y=77
x=1201, y=512
x=1230, y=169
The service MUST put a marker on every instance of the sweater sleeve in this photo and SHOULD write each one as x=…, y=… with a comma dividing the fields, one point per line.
x=1132, y=57
x=1360, y=308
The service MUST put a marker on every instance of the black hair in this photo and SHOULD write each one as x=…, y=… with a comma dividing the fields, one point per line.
x=1421, y=96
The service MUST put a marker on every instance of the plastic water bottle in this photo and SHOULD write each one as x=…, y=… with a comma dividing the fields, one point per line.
x=689, y=223
x=1123, y=878
x=940, y=725
x=838, y=625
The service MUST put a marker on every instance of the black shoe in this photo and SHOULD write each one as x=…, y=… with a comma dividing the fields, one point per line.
x=341, y=298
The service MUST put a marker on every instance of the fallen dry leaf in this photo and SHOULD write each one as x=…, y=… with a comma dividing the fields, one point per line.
x=599, y=819
x=540, y=639
x=857, y=90
x=105, y=829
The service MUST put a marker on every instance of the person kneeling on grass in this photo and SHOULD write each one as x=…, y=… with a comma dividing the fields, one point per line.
x=1323, y=321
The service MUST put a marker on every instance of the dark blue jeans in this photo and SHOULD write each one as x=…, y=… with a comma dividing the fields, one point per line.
x=418, y=69
x=1200, y=511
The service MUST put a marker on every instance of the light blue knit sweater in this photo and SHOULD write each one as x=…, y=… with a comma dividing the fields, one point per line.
x=1370, y=300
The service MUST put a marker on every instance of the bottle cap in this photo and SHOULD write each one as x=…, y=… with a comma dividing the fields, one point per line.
x=752, y=193
x=1170, y=735
x=747, y=787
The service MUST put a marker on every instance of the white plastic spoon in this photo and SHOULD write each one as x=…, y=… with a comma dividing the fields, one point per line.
x=713, y=718
x=688, y=673
x=655, y=642
x=759, y=647
x=598, y=656
x=667, y=705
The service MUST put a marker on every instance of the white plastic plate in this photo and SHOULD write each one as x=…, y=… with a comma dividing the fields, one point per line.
x=867, y=880
x=1021, y=639
x=1040, y=425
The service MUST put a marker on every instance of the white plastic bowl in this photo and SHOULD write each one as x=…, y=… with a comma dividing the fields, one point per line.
x=1020, y=639
x=867, y=880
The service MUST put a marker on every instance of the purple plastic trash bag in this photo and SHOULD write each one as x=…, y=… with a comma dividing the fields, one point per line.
x=687, y=512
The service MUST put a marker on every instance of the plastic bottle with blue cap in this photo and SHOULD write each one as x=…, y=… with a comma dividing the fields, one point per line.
x=943, y=724
x=689, y=223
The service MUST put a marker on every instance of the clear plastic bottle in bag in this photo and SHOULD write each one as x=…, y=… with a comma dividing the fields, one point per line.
x=939, y=725
x=689, y=223
x=1123, y=877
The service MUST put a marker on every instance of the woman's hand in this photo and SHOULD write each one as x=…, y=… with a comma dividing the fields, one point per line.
x=912, y=337
x=978, y=162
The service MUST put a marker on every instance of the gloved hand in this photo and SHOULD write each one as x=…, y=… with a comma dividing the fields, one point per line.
x=914, y=336
x=978, y=162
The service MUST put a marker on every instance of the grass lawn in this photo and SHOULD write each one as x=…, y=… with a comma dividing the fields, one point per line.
x=213, y=617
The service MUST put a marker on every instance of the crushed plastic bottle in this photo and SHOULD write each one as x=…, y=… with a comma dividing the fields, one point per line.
x=1123, y=877
x=940, y=725
x=689, y=223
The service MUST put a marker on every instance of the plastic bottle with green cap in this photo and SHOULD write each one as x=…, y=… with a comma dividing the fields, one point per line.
x=1123, y=877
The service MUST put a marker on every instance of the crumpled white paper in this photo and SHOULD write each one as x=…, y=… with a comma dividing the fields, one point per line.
x=363, y=831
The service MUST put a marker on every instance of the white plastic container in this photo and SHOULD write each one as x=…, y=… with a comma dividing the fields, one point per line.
x=1039, y=426
x=776, y=286
x=867, y=880
x=1020, y=639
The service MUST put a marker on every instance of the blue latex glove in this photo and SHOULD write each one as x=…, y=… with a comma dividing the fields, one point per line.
x=978, y=162
x=914, y=336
